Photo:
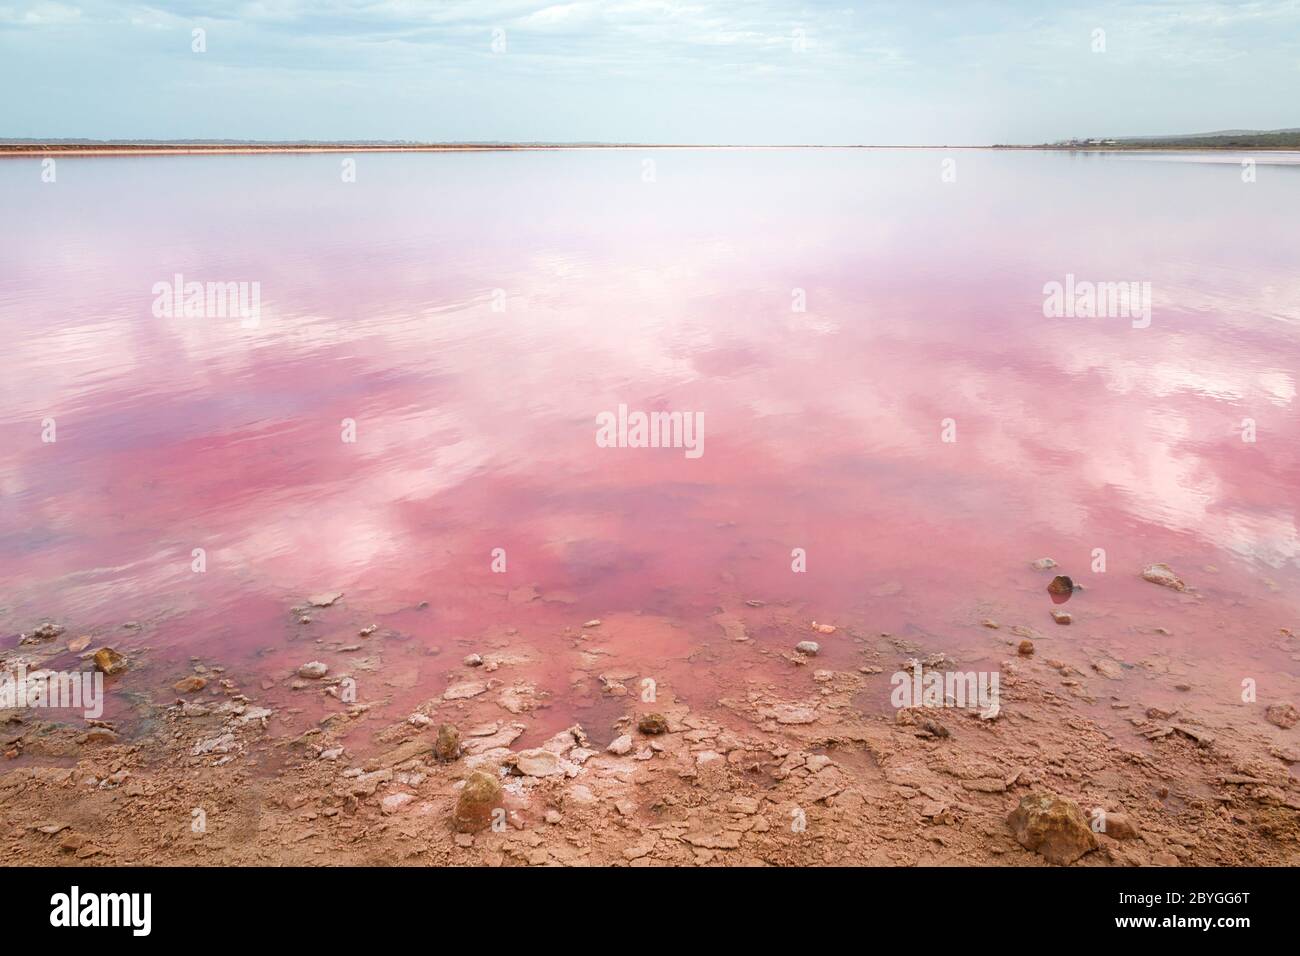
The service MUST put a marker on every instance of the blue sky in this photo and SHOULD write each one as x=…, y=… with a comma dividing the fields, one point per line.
x=690, y=71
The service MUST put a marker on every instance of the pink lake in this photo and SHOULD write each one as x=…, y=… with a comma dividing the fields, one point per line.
x=473, y=314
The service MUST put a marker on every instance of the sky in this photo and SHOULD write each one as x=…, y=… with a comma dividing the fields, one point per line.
x=913, y=72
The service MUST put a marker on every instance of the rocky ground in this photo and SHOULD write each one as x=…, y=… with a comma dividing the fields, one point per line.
x=792, y=766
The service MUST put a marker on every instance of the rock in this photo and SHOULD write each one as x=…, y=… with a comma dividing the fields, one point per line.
x=313, y=670
x=464, y=690
x=990, y=624
x=594, y=622
x=1053, y=827
x=1194, y=733
x=44, y=632
x=744, y=805
x=808, y=647
x=933, y=808
x=473, y=660
x=566, y=740
x=98, y=735
x=325, y=599
x=496, y=740
x=367, y=630
x=1163, y=575
x=479, y=797
x=519, y=699
x=79, y=644
x=394, y=802
x=109, y=661
x=1060, y=585
x=791, y=713
x=1043, y=564
x=823, y=628
x=652, y=724
x=189, y=685
x=1282, y=715
x=723, y=840
x=1026, y=648
x=539, y=763
x=621, y=745
x=1108, y=669
x=1119, y=826
x=579, y=793
x=930, y=727
x=1062, y=617
x=419, y=720
x=446, y=746
x=221, y=744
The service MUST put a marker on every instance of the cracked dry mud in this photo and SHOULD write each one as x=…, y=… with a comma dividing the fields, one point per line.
x=795, y=763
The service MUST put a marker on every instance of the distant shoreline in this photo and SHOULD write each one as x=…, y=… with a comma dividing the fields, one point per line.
x=220, y=149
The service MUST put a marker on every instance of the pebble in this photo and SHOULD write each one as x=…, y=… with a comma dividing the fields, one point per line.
x=1282, y=715
x=653, y=724
x=313, y=670
x=1163, y=575
x=109, y=661
x=1051, y=826
x=394, y=802
x=447, y=745
x=808, y=647
x=478, y=798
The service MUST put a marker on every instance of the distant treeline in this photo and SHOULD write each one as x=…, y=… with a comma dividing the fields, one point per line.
x=1229, y=139
x=1283, y=140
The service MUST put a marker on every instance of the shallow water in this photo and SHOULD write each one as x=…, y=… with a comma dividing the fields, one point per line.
x=474, y=314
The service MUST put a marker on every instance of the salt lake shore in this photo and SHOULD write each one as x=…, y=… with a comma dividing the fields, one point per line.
x=796, y=766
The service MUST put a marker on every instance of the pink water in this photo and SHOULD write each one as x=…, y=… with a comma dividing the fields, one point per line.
x=476, y=410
